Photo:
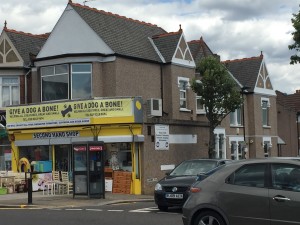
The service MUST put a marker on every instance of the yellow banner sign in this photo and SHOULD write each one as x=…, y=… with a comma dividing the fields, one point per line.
x=68, y=113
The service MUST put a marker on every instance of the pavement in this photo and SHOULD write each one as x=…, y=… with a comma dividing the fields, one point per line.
x=21, y=200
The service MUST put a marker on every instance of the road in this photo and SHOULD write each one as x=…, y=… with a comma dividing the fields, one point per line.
x=139, y=213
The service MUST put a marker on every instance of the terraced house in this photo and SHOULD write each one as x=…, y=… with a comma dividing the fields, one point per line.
x=103, y=77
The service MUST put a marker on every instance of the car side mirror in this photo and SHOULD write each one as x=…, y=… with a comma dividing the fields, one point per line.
x=167, y=173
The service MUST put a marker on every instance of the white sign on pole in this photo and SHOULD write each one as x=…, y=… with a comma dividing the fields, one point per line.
x=161, y=137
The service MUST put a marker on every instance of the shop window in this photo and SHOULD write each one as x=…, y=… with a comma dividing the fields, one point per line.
x=59, y=83
x=35, y=154
x=119, y=156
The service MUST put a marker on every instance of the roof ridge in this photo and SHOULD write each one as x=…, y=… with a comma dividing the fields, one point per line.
x=243, y=59
x=112, y=14
x=166, y=34
x=44, y=36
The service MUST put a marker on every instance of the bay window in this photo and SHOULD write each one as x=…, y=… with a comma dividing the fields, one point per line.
x=59, y=83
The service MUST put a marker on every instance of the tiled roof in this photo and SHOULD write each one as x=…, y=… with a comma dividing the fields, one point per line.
x=199, y=49
x=245, y=70
x=292, y=100
x=123, y=35
x=167, y=44
x=26, y=43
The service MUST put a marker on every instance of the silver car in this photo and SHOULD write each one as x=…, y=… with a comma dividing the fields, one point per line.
x=260, y=192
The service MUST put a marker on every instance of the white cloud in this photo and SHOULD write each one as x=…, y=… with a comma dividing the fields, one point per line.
x=231, y=28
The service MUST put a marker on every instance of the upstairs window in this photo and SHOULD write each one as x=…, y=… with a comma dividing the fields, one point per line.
x=236, y=117
x=10, y=91
x=265, y=105
x=200, y=109
x=183, y=84
x=59, y=83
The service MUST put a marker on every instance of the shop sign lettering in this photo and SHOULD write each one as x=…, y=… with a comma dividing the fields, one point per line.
x=60, y=134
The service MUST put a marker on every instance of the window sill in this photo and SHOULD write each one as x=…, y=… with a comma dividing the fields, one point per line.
x=267, y=127
x=200, y=112
x=184, y=110
x=236, y=126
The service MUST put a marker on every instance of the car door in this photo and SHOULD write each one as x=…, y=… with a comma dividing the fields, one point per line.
x=244, y=196
x=285, y=194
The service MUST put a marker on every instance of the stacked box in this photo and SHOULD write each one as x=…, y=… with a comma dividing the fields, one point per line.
x=122, y=182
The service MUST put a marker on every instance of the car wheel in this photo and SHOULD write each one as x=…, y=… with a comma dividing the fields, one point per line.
x=209, y=218
x=162, y=208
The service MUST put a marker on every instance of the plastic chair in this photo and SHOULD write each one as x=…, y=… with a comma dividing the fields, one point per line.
x=65, y=186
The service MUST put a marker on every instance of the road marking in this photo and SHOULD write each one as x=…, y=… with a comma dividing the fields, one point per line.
x=74, y=209
x=115, y=210
x=96, y=210
x=145, y=209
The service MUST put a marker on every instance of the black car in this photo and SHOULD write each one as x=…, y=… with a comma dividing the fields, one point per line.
x=173, y=189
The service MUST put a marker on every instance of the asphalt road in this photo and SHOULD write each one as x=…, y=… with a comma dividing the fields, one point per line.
x=138, y=213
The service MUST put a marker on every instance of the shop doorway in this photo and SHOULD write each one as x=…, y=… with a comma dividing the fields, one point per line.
x=63, y=158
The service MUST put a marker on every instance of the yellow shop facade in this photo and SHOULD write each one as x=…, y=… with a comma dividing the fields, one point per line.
x=42, y=135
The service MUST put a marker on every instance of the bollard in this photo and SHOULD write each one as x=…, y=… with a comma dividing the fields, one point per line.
x=29, y=191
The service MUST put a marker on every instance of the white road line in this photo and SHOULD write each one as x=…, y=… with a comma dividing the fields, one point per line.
x=96, y=210
x=145, y=209
x=115, y=210
x=74, y=209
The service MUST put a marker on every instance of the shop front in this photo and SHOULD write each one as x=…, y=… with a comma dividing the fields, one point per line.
x=42, y=135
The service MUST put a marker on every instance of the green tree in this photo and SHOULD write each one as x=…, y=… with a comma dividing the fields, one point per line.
x=296, y=37
x=218, y=92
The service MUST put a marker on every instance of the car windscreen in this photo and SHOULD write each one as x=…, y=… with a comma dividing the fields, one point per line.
x=193, y=167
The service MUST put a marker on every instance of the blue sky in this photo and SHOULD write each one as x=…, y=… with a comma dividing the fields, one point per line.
x=232, y=28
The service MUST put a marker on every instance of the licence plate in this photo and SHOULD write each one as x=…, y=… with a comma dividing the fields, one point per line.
x=178, y=196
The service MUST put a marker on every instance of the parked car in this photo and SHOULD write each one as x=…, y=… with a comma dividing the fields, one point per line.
x=260, y=192
x=173, y=189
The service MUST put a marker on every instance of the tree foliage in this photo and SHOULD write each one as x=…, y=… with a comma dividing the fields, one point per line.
x=218, y=92
x=296, y=37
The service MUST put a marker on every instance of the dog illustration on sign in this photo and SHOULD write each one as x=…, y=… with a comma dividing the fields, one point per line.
x=66, y=111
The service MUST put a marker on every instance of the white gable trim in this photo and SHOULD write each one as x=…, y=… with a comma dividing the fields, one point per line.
x=157, y=51
x=72, y=35
x=182, y=61
x=20, y=63
x=264, y=90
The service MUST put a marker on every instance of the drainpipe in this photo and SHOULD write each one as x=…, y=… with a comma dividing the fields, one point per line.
x=161, y=89
x=26, y=88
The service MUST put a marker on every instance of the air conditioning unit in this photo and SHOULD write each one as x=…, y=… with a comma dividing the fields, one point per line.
x=154, y=107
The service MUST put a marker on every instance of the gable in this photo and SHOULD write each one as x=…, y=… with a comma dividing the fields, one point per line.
x=263, y=83
x=183, y=54
x=9, y=56
x=72, y=35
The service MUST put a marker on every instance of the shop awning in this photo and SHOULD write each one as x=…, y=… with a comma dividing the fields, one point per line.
x=3, y=133
x=280, y=141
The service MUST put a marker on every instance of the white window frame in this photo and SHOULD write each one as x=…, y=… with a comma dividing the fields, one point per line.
x=202, y=109
x=238, y=122
x=267, y=112
x=10, y=85
x=267, y=145
x=186, y=80
x=220, y=143
x=238, y=141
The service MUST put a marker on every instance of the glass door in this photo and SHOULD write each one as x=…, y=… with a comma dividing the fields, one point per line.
x=96, y=170
x=80, y=171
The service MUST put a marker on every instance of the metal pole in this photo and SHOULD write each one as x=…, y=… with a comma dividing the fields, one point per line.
x=29, y=183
